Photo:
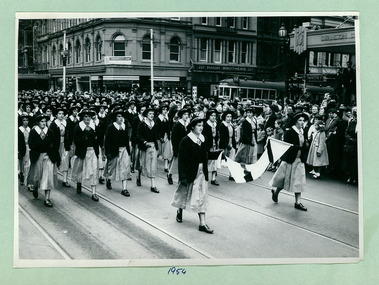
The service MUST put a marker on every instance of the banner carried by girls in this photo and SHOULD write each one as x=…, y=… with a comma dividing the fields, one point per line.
x=243, y=173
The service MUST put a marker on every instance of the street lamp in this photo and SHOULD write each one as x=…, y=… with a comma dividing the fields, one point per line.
x=282, y=31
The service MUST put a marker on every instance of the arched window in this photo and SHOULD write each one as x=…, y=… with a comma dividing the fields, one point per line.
x=175, y=50
x=53, y=56
x=61, y=54
x=88, y=50
x=146, y=48
x=119, y=46
x=69, y=53
x=77, y=51
x=98, y=46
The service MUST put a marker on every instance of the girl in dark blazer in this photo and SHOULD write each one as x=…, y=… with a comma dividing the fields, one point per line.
x=192, y=191
x=85, y=167
x=117, y=150
x=147, y=136
x=227, y=136
x=141, y=107
x=44, y=155
x=164, y=142
x=59, y=126
x=291, y=172
x=100, y=131
x=179, y=131
x=210, y=132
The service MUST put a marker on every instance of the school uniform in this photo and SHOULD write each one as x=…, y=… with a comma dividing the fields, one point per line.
x=44, y=155
x=210, y=132
x=135, y=152
x=193, y=168
x=117, y=150
x=147, y=136
x=165, y=147
x=179, y=131
x=247, y=150
x=85, y=166
x=227, y=139
x=59, y=129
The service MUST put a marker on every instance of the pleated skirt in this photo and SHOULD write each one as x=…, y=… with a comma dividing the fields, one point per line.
x=118, y=168
x=290, y=176
x=43, y=173
x=148, y=161
x=86, y=170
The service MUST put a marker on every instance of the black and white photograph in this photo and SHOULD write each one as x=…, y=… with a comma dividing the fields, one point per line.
x=155, y=139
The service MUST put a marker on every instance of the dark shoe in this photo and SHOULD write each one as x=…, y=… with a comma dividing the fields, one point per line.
x=35, y=192
x=78, y=188
x=129, y=179
x=179, y=216
x=154, y=189
x=166, y=170
x=205, y=229
x=21, y=176
x=214, y=182
x=30, y=189
x=109, y=184
x=47, y=203
x=274, y=196
x=65, y=184
x=300, y=207
x=138, y=182
x=132, y=169
x=169, y=179
x=101, y=180
x=95, y=198
x=125, y=193
x=231, y=178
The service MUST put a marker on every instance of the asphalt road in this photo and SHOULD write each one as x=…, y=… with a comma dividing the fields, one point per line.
x=246, y=223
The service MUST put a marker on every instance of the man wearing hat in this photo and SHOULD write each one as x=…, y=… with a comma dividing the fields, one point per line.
x=117, y=151
x=291, y=172
x=179, y=131
x=44, y=156
x=211, y=135
x=192, y=191
x=85, y=166
x=227, y=135
x=147, y=136
x=164, y=142
x=58, y=127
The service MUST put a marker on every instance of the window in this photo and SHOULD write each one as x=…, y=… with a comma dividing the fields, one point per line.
x=217, y=51
x=231, y=22
x=47, y=55
x=98, y=45
x=204, y=20
x=88, y=50
x=232, y=52
x=69, y=52
x=119, y=46
x=53, y=56
x=245, y=23
x=244, y=53
x=218, y=21
x=77, y=52
x=146, y=48
x=175, y=50
x=203, y=49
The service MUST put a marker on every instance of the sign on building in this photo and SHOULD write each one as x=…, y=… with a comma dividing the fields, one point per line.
x=123, y=60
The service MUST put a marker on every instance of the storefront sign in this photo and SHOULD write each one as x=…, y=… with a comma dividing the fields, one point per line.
x=223, y=68
x=169, y=84
x=300, y=39
x=338, y=37
x=123, y=60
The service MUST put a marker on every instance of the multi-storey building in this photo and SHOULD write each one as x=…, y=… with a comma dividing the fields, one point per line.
x=190, y=54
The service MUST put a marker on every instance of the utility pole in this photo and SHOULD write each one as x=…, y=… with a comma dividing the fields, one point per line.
x=151, y=62
x=64, y=57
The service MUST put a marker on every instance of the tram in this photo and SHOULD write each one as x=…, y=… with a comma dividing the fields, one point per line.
x=248, y=89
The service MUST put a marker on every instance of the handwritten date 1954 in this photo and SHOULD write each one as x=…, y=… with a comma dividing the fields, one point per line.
x=177, y=271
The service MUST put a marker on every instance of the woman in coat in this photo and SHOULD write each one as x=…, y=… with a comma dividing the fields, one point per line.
x=192, y=191
x=227, y=136
x=117, y=151
x=318, y=153
x=85, y=167
x=44, y=155
x=291, y=172
x=147, y=136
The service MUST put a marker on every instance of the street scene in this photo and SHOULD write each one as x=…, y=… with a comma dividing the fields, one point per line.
x=187, y=140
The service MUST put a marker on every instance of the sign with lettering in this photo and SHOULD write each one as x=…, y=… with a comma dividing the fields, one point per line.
x=223, y=68
x=300, y=39
x=338, y=37
x=123, y=60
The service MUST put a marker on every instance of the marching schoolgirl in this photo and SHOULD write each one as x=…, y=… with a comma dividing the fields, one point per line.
x=164, y=142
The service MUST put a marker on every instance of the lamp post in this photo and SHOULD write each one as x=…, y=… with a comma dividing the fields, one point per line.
x=285, y=41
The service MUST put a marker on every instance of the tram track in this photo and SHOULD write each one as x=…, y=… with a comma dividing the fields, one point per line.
x=209, y=256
